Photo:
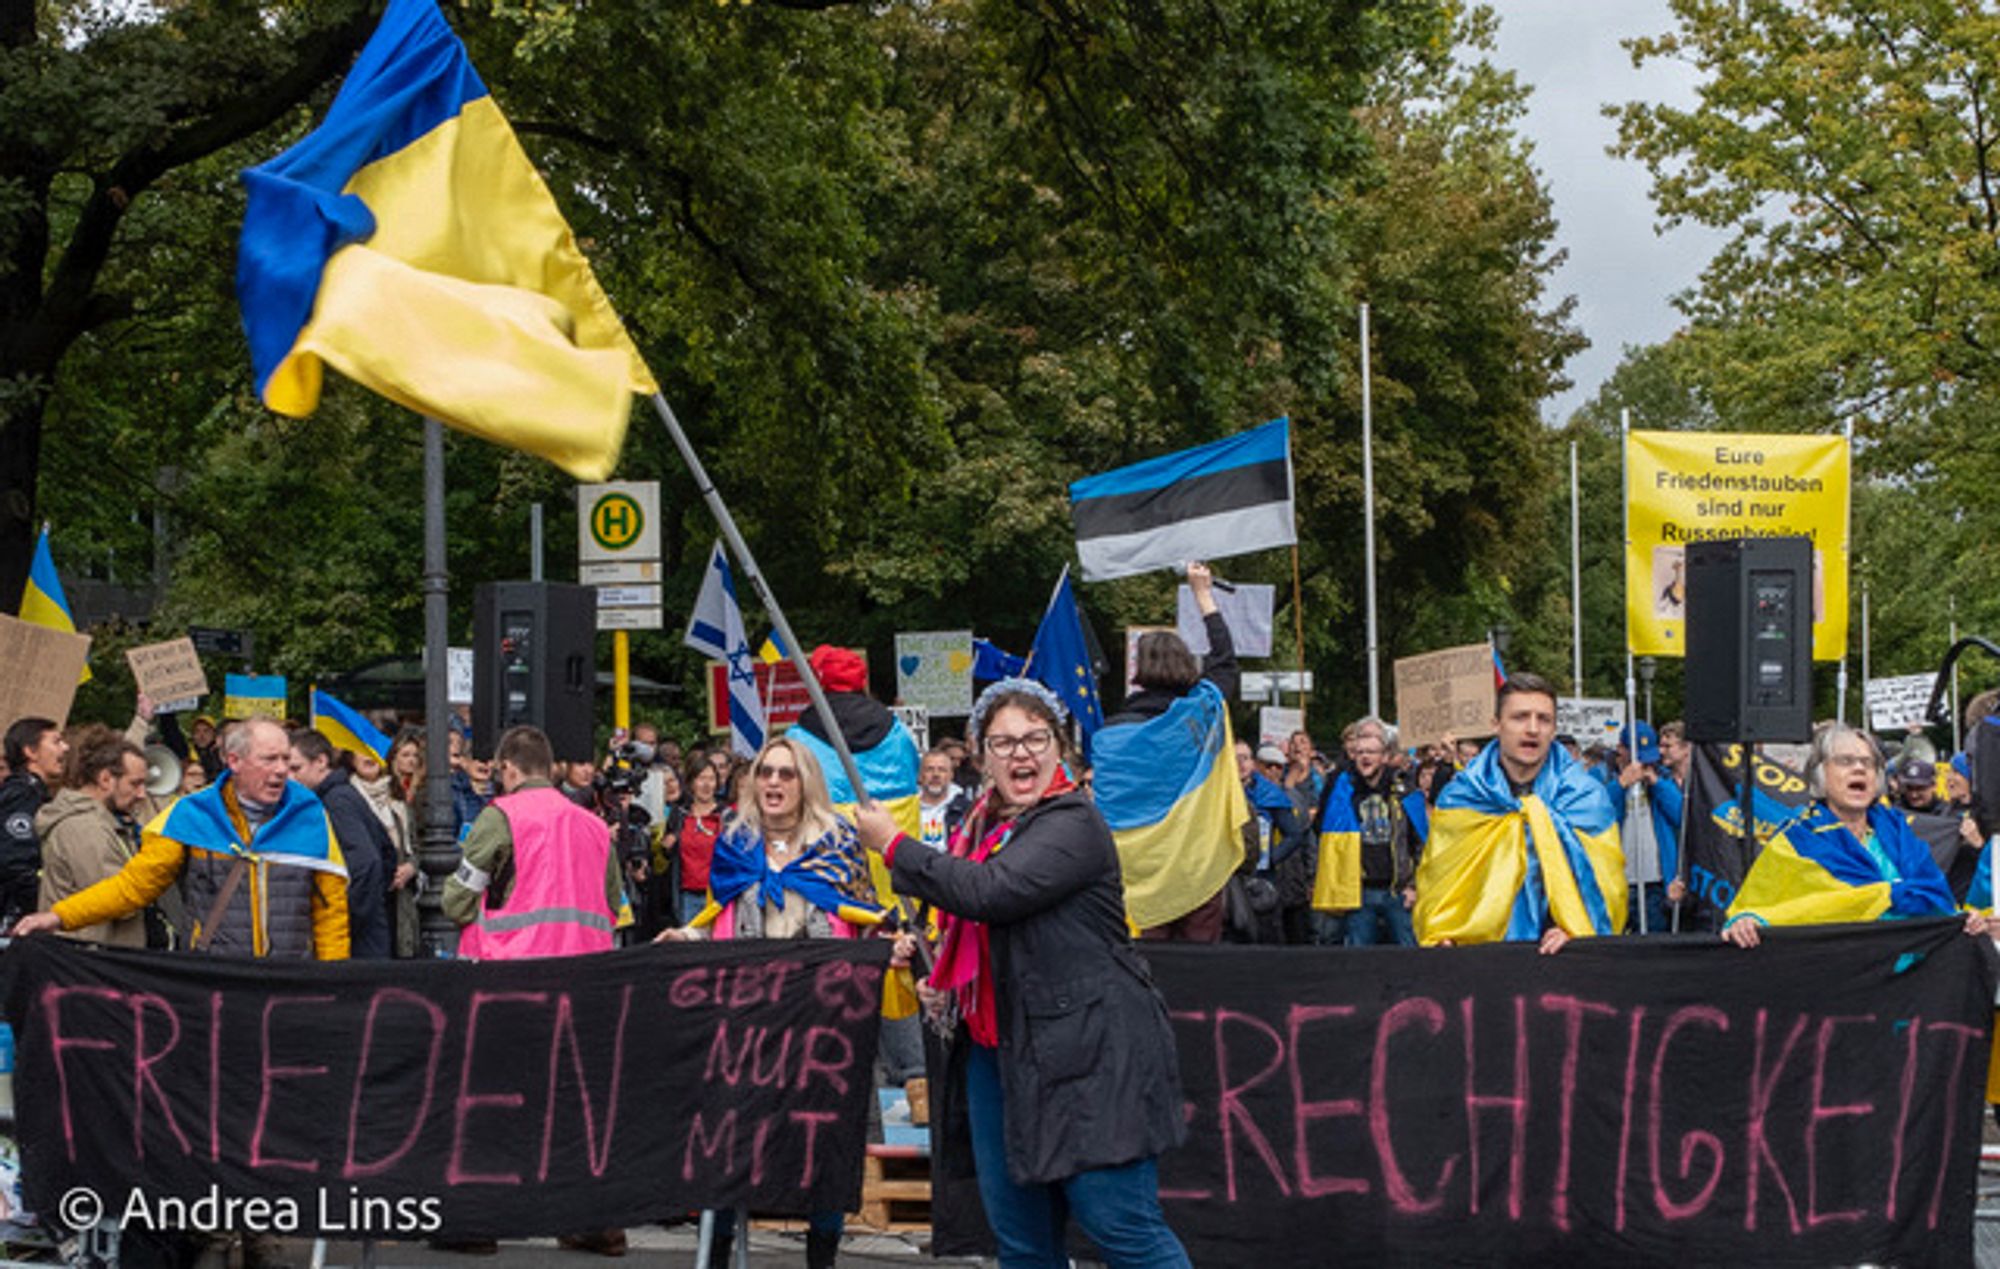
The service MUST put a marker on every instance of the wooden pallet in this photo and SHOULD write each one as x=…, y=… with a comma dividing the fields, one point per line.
x=896, y=1189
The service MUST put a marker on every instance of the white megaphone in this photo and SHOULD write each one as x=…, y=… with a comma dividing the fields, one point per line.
x=163, y=771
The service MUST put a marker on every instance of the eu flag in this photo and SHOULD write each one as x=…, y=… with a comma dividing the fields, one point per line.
x=1061, y=660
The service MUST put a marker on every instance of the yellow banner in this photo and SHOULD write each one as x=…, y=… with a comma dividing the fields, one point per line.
x=1684, y=487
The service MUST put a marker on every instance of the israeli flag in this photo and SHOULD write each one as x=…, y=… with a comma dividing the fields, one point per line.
x=715, y=629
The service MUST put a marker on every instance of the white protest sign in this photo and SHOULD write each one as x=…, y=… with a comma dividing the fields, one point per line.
x=1897, y=704
x=1276, y=723
x=458, y=675
x=934, y=670
x=1592, y=720
x=1246, y=611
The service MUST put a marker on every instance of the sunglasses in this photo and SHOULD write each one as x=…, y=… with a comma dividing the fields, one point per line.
x=784, y=775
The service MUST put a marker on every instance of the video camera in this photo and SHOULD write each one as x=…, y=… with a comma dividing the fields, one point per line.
x=626, y=770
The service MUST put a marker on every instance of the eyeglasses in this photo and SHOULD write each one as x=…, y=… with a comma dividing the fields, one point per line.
x=783, y=775
x=1034, y=744
x=1851, y=760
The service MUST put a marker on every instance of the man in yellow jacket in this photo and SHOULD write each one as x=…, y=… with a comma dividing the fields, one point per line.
x=256, y=858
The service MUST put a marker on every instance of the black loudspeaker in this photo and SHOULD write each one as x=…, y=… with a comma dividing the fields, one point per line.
x=1749, y=639
x=534, y=662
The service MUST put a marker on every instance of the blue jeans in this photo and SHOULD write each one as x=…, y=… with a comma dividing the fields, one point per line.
x=691, y=905
x=1381, y=918
x=1119, y=1208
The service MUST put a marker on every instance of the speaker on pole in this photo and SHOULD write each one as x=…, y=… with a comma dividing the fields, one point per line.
x=1749, y=639
x=534, y=663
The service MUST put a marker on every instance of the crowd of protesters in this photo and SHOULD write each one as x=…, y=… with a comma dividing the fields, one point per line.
x=1358, y=843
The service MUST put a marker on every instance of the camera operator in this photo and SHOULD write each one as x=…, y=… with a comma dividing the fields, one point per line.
x=614, y=789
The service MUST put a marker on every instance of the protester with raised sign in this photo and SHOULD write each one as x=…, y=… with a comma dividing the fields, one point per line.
x=253, y=853
x=1849, y=858
x=1062, y=1080
x=786, y=867
x=1524, y=842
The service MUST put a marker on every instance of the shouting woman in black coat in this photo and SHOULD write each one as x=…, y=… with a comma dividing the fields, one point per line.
x=1063, y=1055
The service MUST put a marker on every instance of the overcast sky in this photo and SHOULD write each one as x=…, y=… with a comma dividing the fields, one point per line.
x=1622, y=272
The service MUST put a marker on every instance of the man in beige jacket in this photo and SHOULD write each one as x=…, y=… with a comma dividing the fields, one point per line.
x=82, y=842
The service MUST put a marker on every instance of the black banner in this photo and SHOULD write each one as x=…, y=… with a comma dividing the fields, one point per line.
x=1631, y=1101
x=1714, y=859
x=413, y=1098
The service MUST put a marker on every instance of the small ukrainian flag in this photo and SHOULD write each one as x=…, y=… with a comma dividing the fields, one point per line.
x=344, y=726
x=43, y=602
x=773, y=650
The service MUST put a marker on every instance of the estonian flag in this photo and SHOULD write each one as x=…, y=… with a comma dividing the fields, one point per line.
x=1061, y=661
x=1228, y=498
x=344, y=727
x=43, y=602
x=715, y=628
x=409, y=242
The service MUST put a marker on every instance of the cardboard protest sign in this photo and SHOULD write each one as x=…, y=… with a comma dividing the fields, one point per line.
x=1444, y=693
x=934, y=670
x=169, y=671
x=39, y=669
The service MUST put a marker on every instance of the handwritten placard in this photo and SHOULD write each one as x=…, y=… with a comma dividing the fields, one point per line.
x=1445, y=693
x=39, y=669
x=169, y=671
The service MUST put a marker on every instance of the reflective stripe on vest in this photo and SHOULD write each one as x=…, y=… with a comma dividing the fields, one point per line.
x=546, y=916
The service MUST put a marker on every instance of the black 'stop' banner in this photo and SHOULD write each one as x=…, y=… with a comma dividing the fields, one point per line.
x=1714, y=857
x=412, y=1098
x=1631, y=1102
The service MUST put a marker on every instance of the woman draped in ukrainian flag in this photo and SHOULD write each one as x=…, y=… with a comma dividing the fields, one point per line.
x=1850, y=857
x=1524, y=841
x=786, y=866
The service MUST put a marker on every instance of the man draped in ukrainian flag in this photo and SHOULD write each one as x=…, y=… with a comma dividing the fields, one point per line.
x=409, y=242
x=1524, y=842
x=255, y=857
x=1850, y=857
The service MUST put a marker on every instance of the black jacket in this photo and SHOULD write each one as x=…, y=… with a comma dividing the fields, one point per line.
x=1087, y=1064
x=371, y=861
x=1218, y=667
x=22, y=794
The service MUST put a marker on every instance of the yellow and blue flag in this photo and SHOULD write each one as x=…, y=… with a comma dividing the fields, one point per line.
x=344, y=726
x=1500, y=867
x=43, y=602
x=1060, y=659
x=298, y=831
x=829, y=874
x=409, y=242
x=1816, y=872
x=773, y=649
x=1168, y=789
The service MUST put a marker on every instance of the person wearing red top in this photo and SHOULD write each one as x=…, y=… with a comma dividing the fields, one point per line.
x=702, y=823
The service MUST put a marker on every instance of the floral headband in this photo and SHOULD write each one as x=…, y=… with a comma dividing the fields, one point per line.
x=1007, y=687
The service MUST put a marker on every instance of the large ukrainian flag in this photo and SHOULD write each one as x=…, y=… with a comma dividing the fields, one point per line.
x=1168, y=789
x=1498, y=866
x=345, y=728
x=43, y=602
x=409, y=242
x=1815, y=872
x=888, y=771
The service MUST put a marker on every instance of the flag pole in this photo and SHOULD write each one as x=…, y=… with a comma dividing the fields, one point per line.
x=747, y=564
x=1299, y=634
x=1846, y=546
x=1028, y=662
x=1368, y=518
x=1638, y=890
x=1575, y=578
x=438, y=853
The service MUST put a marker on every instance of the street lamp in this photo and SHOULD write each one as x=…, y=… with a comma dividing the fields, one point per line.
x=1647, y=665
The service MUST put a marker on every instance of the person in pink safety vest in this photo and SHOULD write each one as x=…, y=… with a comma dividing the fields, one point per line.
x=538, y=876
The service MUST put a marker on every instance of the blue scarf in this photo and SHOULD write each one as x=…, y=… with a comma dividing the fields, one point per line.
x=829, y=873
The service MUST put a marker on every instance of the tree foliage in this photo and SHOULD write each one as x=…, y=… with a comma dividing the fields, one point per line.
x=905, y=271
